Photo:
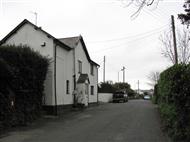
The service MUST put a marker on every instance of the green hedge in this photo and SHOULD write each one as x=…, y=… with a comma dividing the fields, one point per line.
x=173, y=95
x=22, y=75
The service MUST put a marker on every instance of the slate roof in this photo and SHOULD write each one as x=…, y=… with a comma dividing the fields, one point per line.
x=70, y=41
x=73, y=42
x=83, y=78
x=25, y=21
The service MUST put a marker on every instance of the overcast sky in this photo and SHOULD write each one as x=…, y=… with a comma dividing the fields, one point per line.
x=107, y=28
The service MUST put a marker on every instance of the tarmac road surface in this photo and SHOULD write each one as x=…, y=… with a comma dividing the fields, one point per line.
x=134, y=121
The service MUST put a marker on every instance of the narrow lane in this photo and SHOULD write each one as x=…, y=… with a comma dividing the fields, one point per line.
x=135, y=121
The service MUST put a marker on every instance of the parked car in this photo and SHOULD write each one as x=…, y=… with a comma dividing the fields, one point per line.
x=120, y=96
x=146, y=97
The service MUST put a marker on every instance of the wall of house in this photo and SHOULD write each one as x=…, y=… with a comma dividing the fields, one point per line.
x=64, y=72
x=80, y=55
x=94, y=82
x=33, y=38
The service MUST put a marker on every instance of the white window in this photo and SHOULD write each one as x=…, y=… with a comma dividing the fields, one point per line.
x=91, y=69
x=67, y=86
x=92, y=90
x=79, y=66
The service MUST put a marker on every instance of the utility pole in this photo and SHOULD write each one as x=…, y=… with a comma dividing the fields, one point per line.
x=118, y=76
x=174, y=40
x=123, y=69
x=104, y=69
x=138, y=87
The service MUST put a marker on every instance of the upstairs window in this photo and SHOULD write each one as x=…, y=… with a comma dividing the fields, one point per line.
x=92, y=90
x=79, y=66
x=67, y=86
x=91, y=69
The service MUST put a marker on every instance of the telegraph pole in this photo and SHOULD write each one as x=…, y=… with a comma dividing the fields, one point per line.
x=118, y=76
x=138, y=87
x=123, y=69
x=104, y=69
x=174, y=40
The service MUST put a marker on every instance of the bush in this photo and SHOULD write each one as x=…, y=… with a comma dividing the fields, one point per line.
x=22, y=76
x=168, y=113
x=106, y=87
x=155, y=95
x=174, y=92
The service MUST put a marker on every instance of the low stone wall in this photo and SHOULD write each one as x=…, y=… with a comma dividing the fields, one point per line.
x=105, y=97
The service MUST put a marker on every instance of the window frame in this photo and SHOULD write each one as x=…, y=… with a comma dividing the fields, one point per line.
x=67, y=87
x=91, y=90
x=91, y=69
x=79, y=66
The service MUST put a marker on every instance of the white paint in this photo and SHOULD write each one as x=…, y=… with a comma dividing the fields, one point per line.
x=105, y=97
x=80, y=55
x=28, y=35
x=82, y=97
x=64, y=72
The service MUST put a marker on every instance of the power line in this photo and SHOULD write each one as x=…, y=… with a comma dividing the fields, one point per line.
x=120, y=45
x=128, y=37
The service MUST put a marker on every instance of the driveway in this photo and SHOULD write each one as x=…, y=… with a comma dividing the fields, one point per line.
x=134, y=121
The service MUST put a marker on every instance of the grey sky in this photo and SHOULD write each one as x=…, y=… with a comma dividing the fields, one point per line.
x=107, y=29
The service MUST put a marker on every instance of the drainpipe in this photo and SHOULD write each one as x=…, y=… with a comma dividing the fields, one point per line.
x=74, y=69
x=88, y=93
x=97, y=87
x=55, y=86
x=74, y=78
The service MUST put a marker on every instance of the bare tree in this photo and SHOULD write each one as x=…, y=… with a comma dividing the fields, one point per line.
x=153, y=78
x=140, y=4
x=183, y=46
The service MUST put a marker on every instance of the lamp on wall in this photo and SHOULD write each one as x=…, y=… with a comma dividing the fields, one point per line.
x=43, y=45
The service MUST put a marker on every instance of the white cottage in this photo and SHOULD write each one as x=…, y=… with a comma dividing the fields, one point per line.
x=71, y=67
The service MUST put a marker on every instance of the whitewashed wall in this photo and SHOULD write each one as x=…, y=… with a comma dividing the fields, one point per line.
x=28, y=35
x=34, y=38
x=80, y=55
x=64, y=72
x=105, y=97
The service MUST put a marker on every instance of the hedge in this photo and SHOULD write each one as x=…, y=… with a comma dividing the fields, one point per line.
x=22, y=75
x=173, y=95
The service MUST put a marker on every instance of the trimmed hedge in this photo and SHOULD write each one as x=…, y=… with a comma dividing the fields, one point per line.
x=22, y=75
x=173, y=95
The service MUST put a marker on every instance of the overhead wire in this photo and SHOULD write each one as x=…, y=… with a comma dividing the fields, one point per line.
x=128, y=37
x=135, y=39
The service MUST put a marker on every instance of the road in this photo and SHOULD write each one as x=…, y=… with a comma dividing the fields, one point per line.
x=135, y=121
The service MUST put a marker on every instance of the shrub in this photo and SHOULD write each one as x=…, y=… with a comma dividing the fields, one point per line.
x=155, y=95
x=174, y=92
x=23, y=72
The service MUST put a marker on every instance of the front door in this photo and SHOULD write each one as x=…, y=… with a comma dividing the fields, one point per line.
x=87, y=92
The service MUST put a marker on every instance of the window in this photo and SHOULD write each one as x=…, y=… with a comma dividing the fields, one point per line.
x=80, y=66
x=92, y=90
x=91, y=69
x=67, y=86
